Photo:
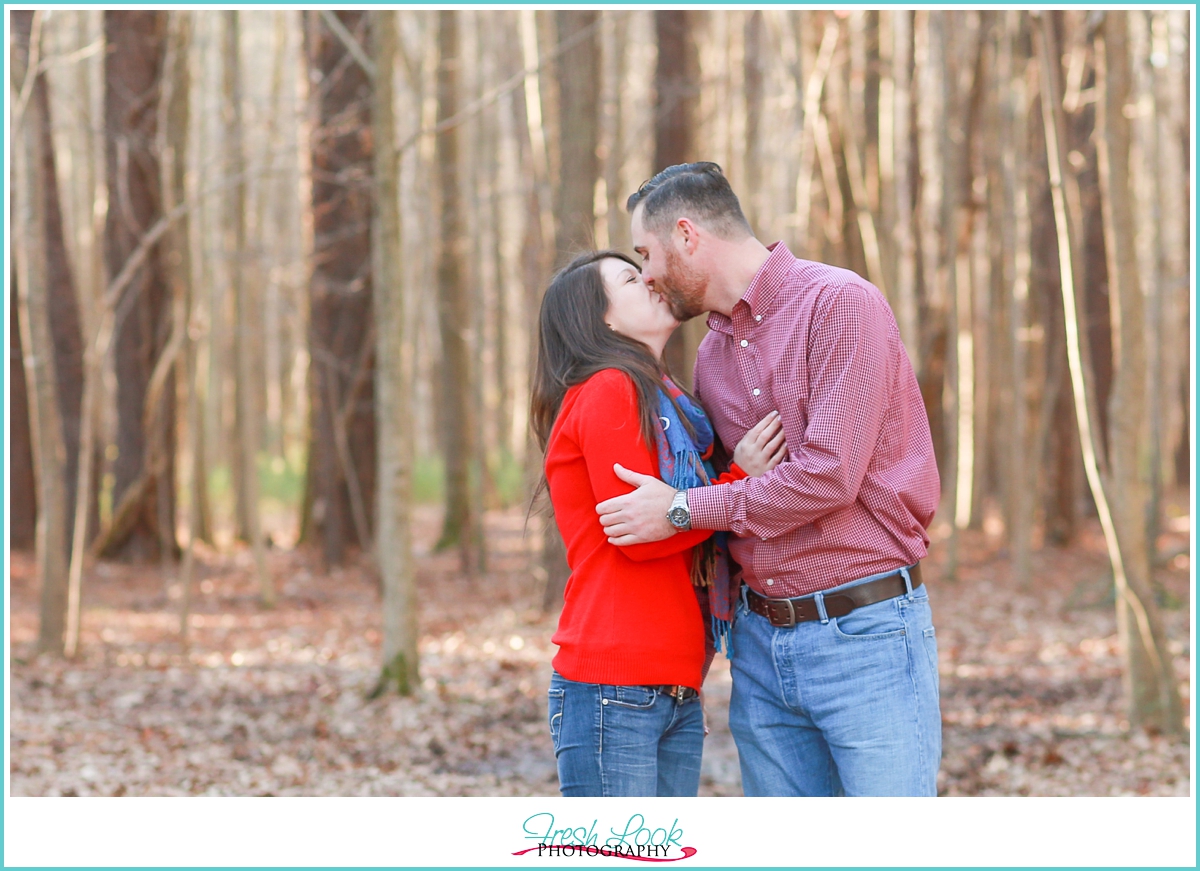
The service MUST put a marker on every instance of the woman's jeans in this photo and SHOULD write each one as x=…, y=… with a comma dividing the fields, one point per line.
x=624, y=740
x=846, y=705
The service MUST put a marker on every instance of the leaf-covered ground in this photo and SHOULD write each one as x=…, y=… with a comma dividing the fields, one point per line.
x=272, y=702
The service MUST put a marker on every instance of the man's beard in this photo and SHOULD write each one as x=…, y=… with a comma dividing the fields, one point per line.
x=682, y=287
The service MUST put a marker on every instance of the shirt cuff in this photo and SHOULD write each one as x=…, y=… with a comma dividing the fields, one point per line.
x=710, y=506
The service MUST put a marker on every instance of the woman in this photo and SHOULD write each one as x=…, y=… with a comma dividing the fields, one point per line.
x=625, y=713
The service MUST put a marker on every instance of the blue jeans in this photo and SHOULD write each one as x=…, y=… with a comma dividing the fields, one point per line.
x=624, y=740
x=841, y=706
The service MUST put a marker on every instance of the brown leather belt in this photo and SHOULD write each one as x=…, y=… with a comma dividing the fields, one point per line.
x=786, y=613
x=678, y=693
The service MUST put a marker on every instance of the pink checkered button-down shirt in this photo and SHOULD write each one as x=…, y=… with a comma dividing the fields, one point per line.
x=860, y=485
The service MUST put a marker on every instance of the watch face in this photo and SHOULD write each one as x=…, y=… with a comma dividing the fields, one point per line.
x=678, y=516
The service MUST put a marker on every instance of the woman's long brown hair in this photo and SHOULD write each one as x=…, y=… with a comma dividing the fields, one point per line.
x=574, y=343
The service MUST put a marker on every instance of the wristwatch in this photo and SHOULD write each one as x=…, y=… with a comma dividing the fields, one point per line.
x=678, y=514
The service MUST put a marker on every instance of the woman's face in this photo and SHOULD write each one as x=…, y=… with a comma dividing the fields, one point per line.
x=634, y=310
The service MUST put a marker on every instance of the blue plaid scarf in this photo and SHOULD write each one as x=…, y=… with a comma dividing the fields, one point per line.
x=684, y=462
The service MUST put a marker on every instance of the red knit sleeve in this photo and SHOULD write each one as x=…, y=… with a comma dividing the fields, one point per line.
x=608, y=432
x=735, y=473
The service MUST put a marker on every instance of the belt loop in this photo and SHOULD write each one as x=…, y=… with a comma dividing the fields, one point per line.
x=742, y=593
x=819, y=598
x=907, y=582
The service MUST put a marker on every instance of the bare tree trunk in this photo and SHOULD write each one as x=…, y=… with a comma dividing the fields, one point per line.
x=31, y=226
x=1172, y=187
x=65, y=329
x=91, y=267
x=1173, y=39
x=1021, y=462
x=676, y=87
x=245, y=314
x=615, y=54
x=462, y=526
x=537, y=251
x=342, y=445
x=144, y=489
x=393, y=383
x=579, y=112
x=754, y=64
x=1149, y=677
x=22, y=505
x=904, y=241
x=176, y=120
x=930, y=158
x=1138, y=631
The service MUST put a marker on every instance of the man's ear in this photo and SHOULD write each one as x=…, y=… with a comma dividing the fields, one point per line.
x=687, y=234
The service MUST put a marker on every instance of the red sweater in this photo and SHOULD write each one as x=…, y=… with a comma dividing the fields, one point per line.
x=631, y=614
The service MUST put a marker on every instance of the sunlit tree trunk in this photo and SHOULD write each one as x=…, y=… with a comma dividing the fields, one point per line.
x=1020, y=463
x=1150, y=680
x=393, y=382
x=246, y=320
x=175, y=132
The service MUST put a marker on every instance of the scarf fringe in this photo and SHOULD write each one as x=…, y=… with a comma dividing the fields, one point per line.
x=722, y=631
x=686, y=466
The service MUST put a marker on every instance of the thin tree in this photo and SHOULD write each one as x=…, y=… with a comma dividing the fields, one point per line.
x=176, y=119
x=245, y=320
x=903, y=237
x=33, y=286
x=22, y=504
x=462, y=525
x=393, y=382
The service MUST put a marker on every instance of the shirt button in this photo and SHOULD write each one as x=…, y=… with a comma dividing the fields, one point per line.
x=757, y=391
x=770, y=582
x=758, y=317
x=744, y=343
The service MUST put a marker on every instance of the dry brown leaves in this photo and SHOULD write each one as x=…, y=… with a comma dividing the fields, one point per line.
x=273, y=701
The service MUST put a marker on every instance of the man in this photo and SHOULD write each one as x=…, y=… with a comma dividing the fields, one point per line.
x=835, y=687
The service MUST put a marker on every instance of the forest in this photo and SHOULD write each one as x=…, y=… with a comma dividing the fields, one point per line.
x=273, y=495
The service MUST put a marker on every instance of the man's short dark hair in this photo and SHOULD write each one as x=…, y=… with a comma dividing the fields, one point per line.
x=698, y=191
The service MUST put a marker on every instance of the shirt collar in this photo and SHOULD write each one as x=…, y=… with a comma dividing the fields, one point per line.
x=763, y=288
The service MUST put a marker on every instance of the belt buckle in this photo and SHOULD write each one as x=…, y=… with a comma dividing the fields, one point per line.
x=678, y=694
x=791, y=615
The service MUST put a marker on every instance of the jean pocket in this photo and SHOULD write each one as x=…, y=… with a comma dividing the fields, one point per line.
x=877, y=622
x=629, y=696
x=555, y=713
x=931, y=651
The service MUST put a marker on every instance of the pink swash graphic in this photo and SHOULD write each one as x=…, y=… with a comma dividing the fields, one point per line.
x=688, y=852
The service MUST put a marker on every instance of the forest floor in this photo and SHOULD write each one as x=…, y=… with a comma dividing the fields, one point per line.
x=272, y=702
